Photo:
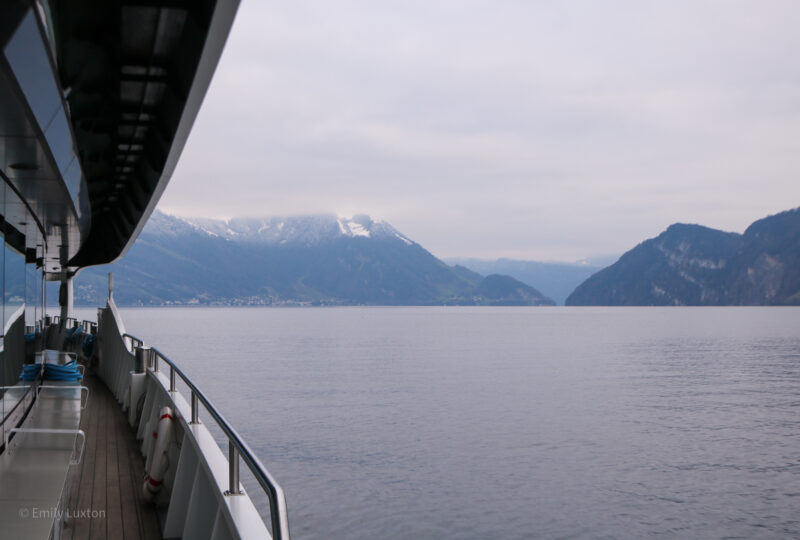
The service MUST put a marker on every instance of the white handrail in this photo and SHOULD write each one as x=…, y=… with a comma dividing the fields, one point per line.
x=53, y=431
x=59, y=387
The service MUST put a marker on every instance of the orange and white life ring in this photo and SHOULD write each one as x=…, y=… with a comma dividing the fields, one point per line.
x=158, y=460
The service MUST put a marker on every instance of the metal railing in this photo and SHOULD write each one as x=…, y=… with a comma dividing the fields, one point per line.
x=57, y=319
x=135, y=341
x=52, y=431
x=90, y=327
x=237, y=448
x=86, y=326
x=81, y=389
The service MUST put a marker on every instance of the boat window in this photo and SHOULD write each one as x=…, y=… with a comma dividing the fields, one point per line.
x=13, y=288
x=59, y=139
x=13, y=305
x=33, y=294
x=72, y=178
x=27, y=56
x=2, y=268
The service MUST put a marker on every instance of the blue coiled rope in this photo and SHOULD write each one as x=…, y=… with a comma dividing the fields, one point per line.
x=30, y=372
x=62, y=372
x=52, y=372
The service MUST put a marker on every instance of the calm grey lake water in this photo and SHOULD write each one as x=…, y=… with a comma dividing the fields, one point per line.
x=509, y=422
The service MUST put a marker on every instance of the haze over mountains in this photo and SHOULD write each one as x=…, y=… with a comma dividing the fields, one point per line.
x=320, y=260
x=554, y=279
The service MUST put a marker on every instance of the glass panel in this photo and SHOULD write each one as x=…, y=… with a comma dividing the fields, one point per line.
x=51, y=292
x=33, y=294
x=27, y=56
x=4, y=366
x=59, y=138
x=2, y=263
x=14, y=293
x=2, y=292
x=13, y=307
x=72, y=178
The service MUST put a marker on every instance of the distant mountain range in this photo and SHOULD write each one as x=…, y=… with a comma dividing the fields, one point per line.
x=328, y=260
x=555, y=280
x=694, y=265
x=317, y=260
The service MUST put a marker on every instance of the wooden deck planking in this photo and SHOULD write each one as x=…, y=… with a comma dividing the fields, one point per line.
x=97, y=527
x=113, y=499
x=78, y=525
x=109, y=479
x=72, y=487
x=131, y=521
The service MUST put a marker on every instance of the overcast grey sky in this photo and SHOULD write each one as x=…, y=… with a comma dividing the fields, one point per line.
x=530, y=129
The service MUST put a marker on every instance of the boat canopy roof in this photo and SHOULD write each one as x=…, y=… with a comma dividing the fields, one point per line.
x=102, y=94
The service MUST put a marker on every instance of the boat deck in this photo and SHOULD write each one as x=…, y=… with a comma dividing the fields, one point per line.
x=104, y=493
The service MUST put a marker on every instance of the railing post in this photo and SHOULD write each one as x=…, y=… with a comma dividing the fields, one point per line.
x=233, y=469
x=140, y=357
x=195, y=419
x=171, y=378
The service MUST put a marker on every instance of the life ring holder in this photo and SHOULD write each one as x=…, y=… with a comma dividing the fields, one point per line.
x=159, y=462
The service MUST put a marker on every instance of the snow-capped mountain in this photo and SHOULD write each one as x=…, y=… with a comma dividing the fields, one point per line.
x=320, y=259
x=306, y=230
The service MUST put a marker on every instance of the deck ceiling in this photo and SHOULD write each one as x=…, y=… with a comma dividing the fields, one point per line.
x=127, y=68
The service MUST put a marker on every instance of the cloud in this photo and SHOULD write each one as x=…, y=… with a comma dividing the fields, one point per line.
x=504, y=128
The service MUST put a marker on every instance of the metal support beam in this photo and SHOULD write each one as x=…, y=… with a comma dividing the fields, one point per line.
x=65, y=297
